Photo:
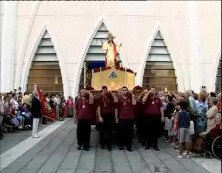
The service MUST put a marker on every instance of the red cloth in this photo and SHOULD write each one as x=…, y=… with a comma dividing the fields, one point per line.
x=69, y=103
x=44, y=110
x=64, y=110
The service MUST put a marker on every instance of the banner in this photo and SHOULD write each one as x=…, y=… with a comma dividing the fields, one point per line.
x=50, y=114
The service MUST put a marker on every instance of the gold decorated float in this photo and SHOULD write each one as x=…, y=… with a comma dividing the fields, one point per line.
x=113, y=76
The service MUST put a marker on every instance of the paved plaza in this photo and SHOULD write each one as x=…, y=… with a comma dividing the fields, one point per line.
x=55, y=152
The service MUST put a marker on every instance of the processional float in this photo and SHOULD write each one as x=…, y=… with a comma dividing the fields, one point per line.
x=112, y=75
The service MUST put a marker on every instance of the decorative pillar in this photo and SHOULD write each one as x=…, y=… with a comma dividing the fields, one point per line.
x=8, y=41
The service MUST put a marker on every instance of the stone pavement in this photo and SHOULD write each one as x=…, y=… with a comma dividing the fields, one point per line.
x=57, y=152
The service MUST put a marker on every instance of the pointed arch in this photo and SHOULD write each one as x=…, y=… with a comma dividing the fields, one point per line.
x=93, y=55
x=45, y=67
x=146, y=53
x=158, y=71
x=27, y=64
x=19, y=80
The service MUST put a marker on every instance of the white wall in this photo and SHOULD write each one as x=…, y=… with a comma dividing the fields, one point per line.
x=0, y=39
x=8, y=45
x=191, y=31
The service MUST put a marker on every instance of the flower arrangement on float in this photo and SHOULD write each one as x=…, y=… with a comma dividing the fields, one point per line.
x=117, y=68
x=89, y=88
x=137, y=88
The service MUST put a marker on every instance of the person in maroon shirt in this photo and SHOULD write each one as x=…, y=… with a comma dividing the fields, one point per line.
x=106, y=110
x=83, y=115
x=153, y=114
x=126, y=103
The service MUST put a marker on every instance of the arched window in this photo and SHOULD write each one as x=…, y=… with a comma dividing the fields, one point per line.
x=218, y=77
x=45, y=70
x=159, y=71
x=95, y=57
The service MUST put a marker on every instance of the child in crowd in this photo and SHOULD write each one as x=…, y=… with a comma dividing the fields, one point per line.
x=184, y=128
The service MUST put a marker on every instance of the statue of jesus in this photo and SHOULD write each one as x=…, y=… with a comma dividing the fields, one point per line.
x=111, y=51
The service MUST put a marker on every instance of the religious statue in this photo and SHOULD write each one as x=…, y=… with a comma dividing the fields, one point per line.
x=111, y=51
x=112, y=76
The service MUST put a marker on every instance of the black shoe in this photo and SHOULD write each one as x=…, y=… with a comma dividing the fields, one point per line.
x=86, y=148
x=109, y=148
x=147, y=148
x=129, y=149
x=79, y=147
x=156, y=148
x=102, y=147
x=143, y=143
x=121, y=148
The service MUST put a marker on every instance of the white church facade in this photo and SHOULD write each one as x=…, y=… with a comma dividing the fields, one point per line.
x=169, y=44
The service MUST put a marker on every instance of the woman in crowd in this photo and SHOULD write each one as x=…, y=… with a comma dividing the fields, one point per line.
x=170, y=107
x=13, y=102
x=70, y=107
x=211, y=114
x=10, y=118
x=219, y=103
x=25, y=112
x=201, y=119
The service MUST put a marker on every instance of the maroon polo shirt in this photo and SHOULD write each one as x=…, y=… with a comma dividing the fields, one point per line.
x=84, y=111
x=125, y=107
x=106, y=107
x=139, y=109
x=152, y=107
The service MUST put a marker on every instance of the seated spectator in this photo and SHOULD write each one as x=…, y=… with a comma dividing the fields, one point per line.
x=211, y=114
x=20, y=118
x=27, y=99
x=10, y=118
x=25, y=112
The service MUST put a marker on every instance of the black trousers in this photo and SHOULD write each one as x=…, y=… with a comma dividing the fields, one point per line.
x=106, y=129
x=126, y=132
x=83, y=132
x=152, y=129
x=140, y=128
x=43, y=120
